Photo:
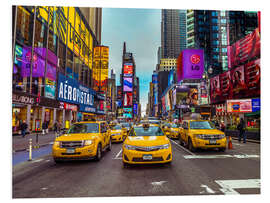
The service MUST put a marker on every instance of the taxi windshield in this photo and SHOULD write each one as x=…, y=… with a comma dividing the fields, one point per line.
x=147, y=131
x=201, y=125
x=84, y=128
x=125, y=124
x=117, y=127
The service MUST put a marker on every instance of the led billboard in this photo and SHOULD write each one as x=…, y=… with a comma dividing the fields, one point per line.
x=127, y=99
x=128, y=70
x=128, y=84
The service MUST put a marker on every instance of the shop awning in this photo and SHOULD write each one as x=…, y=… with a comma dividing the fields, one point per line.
x=257, y=113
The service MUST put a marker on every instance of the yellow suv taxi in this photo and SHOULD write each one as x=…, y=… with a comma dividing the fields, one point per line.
x=201, y=134
x=175, y=131
x=118, y=134
x=146, y=143
x=83, y=140
x=166, y=127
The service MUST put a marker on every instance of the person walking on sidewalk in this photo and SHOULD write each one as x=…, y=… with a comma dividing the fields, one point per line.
x=56, y=127
x=23, y=127
x=43, y=128
x=241, y=129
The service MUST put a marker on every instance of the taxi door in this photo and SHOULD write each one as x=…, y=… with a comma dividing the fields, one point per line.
x=103, y=131
x=185, y=131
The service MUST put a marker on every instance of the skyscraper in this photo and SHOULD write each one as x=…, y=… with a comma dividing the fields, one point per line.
x=170, y=33
x=183, y=29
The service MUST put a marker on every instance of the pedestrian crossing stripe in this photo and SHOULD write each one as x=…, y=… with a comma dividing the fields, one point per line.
x=228, y=186
x=240, y=156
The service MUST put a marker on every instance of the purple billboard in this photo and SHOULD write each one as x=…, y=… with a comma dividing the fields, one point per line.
x=128, y=84
x=190, y=64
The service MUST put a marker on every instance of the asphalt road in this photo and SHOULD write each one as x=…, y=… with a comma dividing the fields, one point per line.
x=236, y=171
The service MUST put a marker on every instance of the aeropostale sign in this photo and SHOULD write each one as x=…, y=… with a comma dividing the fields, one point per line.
x=70, y=91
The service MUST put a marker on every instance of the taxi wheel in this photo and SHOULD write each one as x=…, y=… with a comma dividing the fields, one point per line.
x=190, y=146
x=99, y=151
x=125, y=165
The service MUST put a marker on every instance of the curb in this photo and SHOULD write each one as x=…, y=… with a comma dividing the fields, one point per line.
x=25, y=149
x=248, y=140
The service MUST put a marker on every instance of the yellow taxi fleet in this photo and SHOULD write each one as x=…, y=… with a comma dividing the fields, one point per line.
x=146, y=143
x=174, y=132
x=83, y=140
x=201, y=134
x=118, y=133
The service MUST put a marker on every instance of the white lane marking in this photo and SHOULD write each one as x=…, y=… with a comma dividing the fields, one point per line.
x=183, y=148
x=116, y=157
x=244, y=156
x=44, y=188
x=160, y=183
x=37, y=160
x=228, y=186
x=207, y=190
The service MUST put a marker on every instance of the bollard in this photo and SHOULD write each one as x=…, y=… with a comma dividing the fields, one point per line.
x=30, y=150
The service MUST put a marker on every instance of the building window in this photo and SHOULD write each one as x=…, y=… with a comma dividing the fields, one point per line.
x=69, y=70
x=40, y=34
x=52, y=43
x=62, y=57
x=24, y=26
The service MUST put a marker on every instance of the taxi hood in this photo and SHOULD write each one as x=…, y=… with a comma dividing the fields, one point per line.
x=76, y=137
x=206, y=131
x=146, y=140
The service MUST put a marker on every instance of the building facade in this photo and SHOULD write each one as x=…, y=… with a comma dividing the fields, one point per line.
x=52, y=66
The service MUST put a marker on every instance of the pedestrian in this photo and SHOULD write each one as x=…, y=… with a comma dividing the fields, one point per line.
x=241, y=129
x=43, y=127
x=23, y=127
x=222, y=126
x=47, y=127
x=56, y=127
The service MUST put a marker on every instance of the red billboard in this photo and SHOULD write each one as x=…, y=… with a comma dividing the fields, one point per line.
x=238, y=84
x=225, y=85
x=128, y=69
x=253, y=77
x=215, y=93
x=244, y=49
x=127, y=99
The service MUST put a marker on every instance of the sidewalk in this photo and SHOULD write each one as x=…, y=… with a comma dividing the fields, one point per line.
x=20, y=144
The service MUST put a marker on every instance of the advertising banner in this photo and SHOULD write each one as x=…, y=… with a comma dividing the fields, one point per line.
x=50, y=87
x=192, y=96
x=181, y=95
x=135, y=109
x=245, y=49
x=239, y=106
x=127, y=99
x=128, y=84
x=256, y=104
x=70, y=91
x=191, y=64
x=253, y=77
x=119, y=92
x=238, y=84
x=225, y=85
x=128, y=70
x=127, y=112
x=163, y=104
x=38, y=64
x=215, y=92
x=170, y=77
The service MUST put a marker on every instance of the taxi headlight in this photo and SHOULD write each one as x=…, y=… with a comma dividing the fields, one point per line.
x=165, y=146
x=221, y=136
x=130, y=147
x=200, y=136
x=56, y=144
x=88, y=142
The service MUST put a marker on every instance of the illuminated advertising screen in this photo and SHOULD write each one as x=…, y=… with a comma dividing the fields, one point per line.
x=128, y=84
x=239, y=106
x=253, y=77
x=190, y=64
x=170, y=77
x=244, y=49
x=127, y=112
x=128, y=70
x=127, y=99
x=181, y=95
x=215, y=92
x=225, y=85
x=238, y=84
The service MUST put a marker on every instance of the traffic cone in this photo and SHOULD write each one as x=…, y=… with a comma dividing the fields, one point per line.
x=230, y=143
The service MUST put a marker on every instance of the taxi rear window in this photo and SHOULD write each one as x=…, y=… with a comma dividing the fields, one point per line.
x=201, y=125
x=148, y=131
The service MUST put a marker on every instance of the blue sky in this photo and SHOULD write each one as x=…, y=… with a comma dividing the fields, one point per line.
x=140, y=29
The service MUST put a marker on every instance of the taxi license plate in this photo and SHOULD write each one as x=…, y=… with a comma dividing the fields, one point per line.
x=70, y=151
x=212, y=142
x=147, y=157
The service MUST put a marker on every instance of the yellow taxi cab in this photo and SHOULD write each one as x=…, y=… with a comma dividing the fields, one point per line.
x=118, y=134
x=175, y=131
x=83, y=140
x=167, y=128
x=201, y=134
x=146, y=143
